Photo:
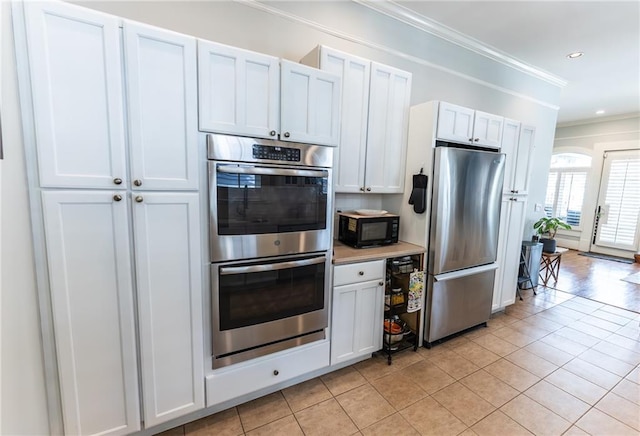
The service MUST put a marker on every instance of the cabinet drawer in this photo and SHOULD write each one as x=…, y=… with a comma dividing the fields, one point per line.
x=358, y=272
x=234, y=382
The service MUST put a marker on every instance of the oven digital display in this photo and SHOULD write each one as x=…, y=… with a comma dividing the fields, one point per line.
x=276, y=153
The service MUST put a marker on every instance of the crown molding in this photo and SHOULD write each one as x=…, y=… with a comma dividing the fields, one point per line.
x=596, y=120
x=269, y=8
x=427, y=25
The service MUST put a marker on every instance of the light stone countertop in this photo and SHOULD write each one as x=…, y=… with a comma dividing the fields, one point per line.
x=344, y=254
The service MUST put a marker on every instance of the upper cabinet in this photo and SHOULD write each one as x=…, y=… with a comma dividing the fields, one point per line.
x=517, y=144
x=374, y=122
x=77, y=95
x=309, y=105
x=464, y=125
x=239, y=91
x=162, y=108
x=251, y=94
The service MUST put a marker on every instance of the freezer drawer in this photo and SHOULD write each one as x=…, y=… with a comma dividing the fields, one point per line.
x=458, y=300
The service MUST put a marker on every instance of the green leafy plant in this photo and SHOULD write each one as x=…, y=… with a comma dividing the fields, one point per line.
x=549, y=226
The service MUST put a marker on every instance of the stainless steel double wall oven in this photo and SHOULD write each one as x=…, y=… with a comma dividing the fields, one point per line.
x=270, y=208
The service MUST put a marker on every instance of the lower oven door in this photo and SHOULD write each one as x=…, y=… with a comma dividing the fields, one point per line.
x=259, y=303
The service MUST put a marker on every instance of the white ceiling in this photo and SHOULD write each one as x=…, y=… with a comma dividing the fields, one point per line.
x=542, y=33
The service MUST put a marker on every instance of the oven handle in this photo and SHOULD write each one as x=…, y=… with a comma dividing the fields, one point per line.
x=271, y=171
x=227, y=270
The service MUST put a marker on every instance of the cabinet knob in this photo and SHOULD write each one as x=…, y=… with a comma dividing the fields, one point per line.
x=516, y=191
x=286, y=134
x=117, y=181
x=139, y=199
x=362, y=188
x=276, y=372
x=476, y=140
x=272, y=133
x=380, y=283
x=117, y=197
x=368, y=189
x=360, y=273
x=470, y=139
x=137, y=182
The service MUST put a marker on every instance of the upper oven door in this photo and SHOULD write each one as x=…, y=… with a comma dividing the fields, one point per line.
x=259, y=210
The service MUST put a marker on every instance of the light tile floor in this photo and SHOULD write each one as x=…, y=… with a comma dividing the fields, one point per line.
x=549, y=365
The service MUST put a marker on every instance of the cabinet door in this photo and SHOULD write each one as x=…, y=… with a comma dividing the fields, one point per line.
x=87, y=240
x=487, y=129
x=510, y=244
x=239, y=91
x=356, y=328
x=523, y=161
x=75, y=65
x=349, y=165
x=455, y=123
x=510, y=136
x=389, y=100
x=169, y=285
x=163, y=127
x=310, y=105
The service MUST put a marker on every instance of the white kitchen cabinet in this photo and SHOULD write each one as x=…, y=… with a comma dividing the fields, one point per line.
x=169, y=288
x=517, y=144
x=83, y=85
x=374, y=122
x=89, y=263
x=464, y=125
x=512, y=217
x=239, y=91
x=250, y=94
x=76, y=82
x=390, y=95
x=357, y=313
x=162, y=108
x=309, y=105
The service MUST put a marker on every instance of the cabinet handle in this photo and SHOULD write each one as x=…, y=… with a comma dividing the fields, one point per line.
x=139, y=199
x=117, y=197
x=362, y=188
x=286, y=134
x=117, y=181
x=272, y=133
x=360, y=273
x=276, y=372
x=368, y=189
x=137, y=182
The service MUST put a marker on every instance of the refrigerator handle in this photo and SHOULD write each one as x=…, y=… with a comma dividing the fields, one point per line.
x=465, y=272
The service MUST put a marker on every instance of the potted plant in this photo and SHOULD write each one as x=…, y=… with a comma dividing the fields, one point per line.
x=548, y=227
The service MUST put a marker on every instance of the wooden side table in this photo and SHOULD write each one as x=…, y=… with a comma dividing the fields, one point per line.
x=550, y=265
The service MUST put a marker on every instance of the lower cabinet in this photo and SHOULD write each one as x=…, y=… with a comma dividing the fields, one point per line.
x=358, y=304
x=512, y=217
x=92, y=293
x=244, y=378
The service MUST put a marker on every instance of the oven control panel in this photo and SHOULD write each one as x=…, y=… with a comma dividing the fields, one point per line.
x=276, y=153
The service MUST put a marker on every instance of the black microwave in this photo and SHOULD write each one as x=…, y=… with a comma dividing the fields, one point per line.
x=370, y=230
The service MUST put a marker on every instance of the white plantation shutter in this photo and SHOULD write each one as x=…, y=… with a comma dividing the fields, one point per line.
x=549, y=200
x=570, y=196
x=618, y=226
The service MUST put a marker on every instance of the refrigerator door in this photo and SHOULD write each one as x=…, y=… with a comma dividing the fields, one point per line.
x=458, y=300
x=466, y=202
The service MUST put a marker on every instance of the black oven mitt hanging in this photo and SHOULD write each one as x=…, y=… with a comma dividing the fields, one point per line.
x=419, y=193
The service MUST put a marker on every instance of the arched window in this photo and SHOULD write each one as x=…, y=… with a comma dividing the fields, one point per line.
x=566, y=186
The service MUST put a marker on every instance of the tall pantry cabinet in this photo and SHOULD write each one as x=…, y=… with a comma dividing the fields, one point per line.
x=117, y=169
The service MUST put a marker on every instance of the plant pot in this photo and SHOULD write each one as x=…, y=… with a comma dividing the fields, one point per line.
x=548, y=245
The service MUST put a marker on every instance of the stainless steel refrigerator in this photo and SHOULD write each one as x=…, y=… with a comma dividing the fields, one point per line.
x=463, y=237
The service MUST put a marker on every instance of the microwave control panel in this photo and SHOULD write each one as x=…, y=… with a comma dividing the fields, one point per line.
x=276, y=153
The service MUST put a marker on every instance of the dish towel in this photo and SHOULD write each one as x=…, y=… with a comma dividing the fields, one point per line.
x=419, y=193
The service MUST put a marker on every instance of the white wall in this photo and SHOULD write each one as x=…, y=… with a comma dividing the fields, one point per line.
x=441, y=70
x=594, y=138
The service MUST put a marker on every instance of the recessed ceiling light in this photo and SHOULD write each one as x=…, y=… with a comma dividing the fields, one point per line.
x=599, y=112
x=575, y=54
